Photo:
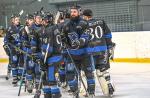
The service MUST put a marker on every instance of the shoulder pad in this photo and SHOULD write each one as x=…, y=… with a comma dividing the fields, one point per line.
x=83, y=22
x=95, y=22
x=67, y=22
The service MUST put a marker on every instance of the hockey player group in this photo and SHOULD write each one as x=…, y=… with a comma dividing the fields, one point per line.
x=49, y=53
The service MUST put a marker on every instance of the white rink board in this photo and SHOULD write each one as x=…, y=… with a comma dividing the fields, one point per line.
x=132, y=44
x=2, y=52
x=3, y=66
x=128, y=45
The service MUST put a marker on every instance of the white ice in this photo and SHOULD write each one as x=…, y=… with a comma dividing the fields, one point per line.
x=132, y=80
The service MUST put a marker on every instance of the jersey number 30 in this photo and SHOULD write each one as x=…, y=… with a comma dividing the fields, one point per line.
x=96, y=32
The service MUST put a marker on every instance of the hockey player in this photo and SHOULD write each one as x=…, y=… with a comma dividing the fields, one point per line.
x=28, y=44
x=99, y=45
x=37, y=27
x=77, y=59
x=50, y=46
x=8, y=52
x=63, y=18
x=13, y=37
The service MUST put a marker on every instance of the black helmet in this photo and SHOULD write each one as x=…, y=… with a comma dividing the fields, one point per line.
x=77, y=7
x=87, y=12
x=37, y=13
x=48, y=16
x=29, y=16
x=14, y=16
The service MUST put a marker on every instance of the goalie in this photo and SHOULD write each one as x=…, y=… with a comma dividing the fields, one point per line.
x=100, y=45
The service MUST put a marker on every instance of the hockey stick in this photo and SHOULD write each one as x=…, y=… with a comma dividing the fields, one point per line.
x=38, y=92
x=22, y=77
x=41, y=10
x=21, y=12
x=77, y=71
x=57, y=17
x=46, y=54
x=21, y=82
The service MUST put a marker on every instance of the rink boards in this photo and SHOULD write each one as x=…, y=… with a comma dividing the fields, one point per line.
x=130, y=47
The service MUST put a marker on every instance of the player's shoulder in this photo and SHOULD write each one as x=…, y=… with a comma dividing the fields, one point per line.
x=94, y=22
x=83, y=21
x=10, y=29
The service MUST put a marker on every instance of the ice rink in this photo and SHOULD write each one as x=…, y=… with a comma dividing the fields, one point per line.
x=132, y=80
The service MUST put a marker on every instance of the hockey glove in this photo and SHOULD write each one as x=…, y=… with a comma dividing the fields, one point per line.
x=42, y=65
x=75, y=44
x=111, y=49
x=6, y=48
x=25, y=44
x=78, y=43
